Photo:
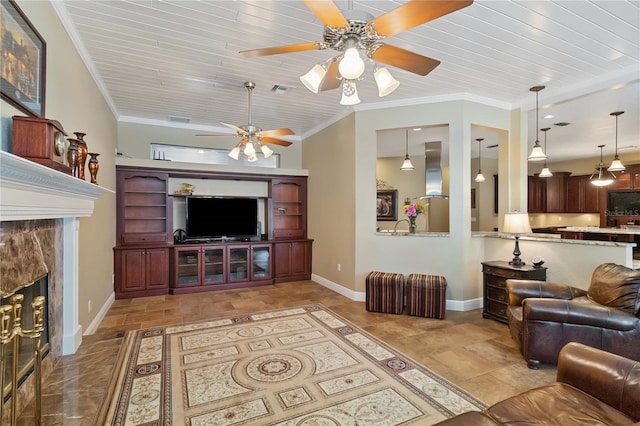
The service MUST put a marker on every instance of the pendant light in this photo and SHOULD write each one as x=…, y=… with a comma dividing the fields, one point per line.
x=479, y=176
x=545, y=170
x=602, y=178
x=616, y=164
x=537, y=154
x=406, y=164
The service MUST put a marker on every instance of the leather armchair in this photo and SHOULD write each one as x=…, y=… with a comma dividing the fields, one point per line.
x=545, y=316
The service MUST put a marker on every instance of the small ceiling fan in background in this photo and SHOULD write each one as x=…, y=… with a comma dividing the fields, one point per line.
x=252, y=137
x=356, y=31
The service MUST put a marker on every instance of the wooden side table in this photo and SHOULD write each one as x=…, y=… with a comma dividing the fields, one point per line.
x=495, y=274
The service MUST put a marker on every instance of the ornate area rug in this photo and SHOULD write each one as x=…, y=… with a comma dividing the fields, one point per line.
x=297, y=366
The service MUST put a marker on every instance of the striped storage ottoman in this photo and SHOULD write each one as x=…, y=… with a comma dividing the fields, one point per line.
x=385, y=292
x=426, y=295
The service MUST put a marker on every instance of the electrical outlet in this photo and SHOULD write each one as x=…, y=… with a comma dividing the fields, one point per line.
x=89, y=306
x=339, y=267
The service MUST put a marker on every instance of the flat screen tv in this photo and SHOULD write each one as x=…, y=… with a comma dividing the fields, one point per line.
x=221, y=217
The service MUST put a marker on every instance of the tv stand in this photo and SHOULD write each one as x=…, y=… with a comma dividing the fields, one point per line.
x=146, y=257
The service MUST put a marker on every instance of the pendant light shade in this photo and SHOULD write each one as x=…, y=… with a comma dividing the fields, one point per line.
x=406, y=164
x=616, y=164
x=479, y=176
x=602, y=177
x=537, y=154
x=545, y=170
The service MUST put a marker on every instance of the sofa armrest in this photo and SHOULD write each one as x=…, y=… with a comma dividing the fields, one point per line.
x=578, y=312
x=518, y=290
x=610, y=378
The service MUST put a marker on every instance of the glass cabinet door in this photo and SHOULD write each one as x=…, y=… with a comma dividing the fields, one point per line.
x=239, y=264
x=213, y=265
x=261, y=262
x=187, y=270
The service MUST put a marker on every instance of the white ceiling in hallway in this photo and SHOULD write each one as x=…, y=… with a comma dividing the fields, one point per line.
x=154, y=59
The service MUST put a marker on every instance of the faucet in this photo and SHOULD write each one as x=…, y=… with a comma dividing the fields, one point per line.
x=395, y=228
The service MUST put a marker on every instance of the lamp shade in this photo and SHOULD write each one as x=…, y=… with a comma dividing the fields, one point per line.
x=406, y=164
x=479, y=177
x=537, y=154
x=266, y=151
x=235, y=152
x=349, y=94
x=385, y=81
x=545, y=172
x=313, y=78
x=516, y=223
x=616, y=166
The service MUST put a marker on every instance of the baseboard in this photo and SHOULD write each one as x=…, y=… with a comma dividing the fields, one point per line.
x=71, y=342
x=101, y=314
x=360, y=296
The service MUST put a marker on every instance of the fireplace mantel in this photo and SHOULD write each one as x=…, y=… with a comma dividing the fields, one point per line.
x=31, y=191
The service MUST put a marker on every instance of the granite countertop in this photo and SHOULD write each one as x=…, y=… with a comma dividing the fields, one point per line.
x=632, y=230
x=553, y=238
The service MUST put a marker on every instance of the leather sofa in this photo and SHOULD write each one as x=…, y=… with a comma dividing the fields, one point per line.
x=592, y=387
x=545, y=316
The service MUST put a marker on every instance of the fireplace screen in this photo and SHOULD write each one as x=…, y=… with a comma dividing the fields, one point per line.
x=26, y=352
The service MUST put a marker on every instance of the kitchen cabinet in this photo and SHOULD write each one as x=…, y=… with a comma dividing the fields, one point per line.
x=555, y=192
x=581, y=195
x=536, y=195
x=141, y=272
x=292, y=260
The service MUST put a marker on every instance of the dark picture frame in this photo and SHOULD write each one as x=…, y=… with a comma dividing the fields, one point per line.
x=23, y=55
x=387, y=205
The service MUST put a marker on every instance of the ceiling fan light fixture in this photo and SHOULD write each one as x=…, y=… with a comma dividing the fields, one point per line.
x=266, y=151
x=252, y=158
x=351, y=65
x=314, y=77
x=349, y=93
x=235, y=152
x=385, y=81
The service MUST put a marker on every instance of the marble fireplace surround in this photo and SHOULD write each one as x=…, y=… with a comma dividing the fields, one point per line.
x=29, y=195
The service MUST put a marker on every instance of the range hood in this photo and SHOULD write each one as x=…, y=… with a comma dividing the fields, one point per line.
x=433, y=171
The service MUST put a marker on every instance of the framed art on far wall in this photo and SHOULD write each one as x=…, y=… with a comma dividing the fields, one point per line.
x=22, y=61
x=387, y=205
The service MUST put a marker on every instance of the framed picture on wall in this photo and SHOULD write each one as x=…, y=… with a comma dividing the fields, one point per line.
x=387, y=205
x=22, y=64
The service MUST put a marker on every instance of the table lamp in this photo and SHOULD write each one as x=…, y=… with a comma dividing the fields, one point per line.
x=516, y=223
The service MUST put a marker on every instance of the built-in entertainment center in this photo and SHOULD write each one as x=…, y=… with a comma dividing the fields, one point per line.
x=234, y=230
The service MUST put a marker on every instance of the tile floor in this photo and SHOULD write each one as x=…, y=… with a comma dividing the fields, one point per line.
x=474, y=353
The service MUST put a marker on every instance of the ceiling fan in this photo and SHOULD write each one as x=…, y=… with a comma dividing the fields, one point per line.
x=356, y=31
x=253, y=137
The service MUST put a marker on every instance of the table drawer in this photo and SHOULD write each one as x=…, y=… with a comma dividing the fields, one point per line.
x=496, y=281
x=497, y=294
x=498, y=309
x=500, y=272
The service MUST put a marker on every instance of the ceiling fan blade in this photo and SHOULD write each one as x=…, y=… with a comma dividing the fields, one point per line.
x=331, y=80
x=275, y=141
x=404, y=59
x=276, y=132
x=283, y=49
x=327, y=12
x=236, y=128
x=414, y=13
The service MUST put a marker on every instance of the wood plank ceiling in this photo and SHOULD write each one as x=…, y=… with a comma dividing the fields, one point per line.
x=156, y=58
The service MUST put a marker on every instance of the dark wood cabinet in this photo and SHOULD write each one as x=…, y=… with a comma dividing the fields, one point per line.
x=581, y=195
x=495, y=276
x=292, y=260
x=147, y=262
x=141, y=272
x=288, y=208
x=536, y=195
x=555, y=192
x=143, y=210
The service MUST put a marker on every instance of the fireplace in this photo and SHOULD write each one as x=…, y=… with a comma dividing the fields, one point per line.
x=39, y=214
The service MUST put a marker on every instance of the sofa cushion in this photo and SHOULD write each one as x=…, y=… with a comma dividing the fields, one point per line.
x=617, y=287
x=556, y=404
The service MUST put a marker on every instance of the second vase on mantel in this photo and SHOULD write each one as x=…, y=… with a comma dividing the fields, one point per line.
x=82, y=153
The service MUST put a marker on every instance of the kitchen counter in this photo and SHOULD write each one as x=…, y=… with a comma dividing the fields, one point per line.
x=632, y=230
